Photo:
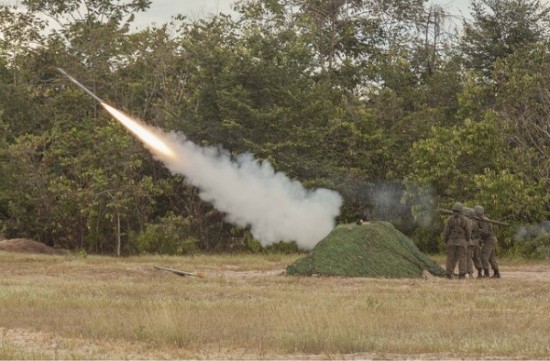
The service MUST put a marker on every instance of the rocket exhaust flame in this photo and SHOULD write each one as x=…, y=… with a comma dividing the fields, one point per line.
x=249, y=192
x=141, y=131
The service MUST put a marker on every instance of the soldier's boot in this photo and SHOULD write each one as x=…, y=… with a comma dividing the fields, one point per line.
x=485, y=272
x=496, y=274
x=479, y=273
x=461, y=276
x=449, y=276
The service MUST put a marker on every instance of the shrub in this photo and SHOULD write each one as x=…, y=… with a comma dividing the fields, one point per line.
x=283, y=247
x=428, y=239
x=532, y=241
x=170, y=235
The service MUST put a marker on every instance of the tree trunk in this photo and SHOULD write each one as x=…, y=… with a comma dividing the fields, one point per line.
x=118, y=234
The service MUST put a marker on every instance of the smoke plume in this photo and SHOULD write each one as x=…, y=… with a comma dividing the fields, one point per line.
x=249, y=192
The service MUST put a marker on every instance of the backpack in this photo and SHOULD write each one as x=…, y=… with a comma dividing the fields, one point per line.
x=456, y=227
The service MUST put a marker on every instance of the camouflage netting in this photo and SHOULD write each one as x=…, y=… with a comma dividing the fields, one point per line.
x=373, y=249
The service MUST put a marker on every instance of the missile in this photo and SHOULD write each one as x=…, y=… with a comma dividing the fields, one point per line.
x=153, y=139
x=80, y=85
x=449, y=212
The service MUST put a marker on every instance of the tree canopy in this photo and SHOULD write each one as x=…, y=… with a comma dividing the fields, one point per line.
x=367, y=98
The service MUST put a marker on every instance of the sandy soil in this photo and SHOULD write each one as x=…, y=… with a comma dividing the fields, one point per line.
x=53, y=346
x=24, y=245
x=533, y=273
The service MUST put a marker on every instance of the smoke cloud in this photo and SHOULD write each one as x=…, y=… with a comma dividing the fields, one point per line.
x=251, y=193
x=532, y=231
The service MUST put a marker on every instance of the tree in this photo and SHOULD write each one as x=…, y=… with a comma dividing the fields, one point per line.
x=66, y=168
x=524, y=102
x=499, y=28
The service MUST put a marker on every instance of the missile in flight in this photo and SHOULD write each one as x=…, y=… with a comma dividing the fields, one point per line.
x=154, y=139
x=289, y=211
x=80, y=85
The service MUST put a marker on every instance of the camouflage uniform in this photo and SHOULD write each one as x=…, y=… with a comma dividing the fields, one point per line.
x=469, y=212
x=457, y=235
x=487, y=235
x=474, y=248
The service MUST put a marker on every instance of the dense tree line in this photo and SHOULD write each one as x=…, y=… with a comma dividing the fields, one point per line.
x=374, y=99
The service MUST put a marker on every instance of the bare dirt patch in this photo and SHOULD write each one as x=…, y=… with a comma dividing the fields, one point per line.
x=96, y=307
x=23, y=245
x=33, y=344
x=533, y=273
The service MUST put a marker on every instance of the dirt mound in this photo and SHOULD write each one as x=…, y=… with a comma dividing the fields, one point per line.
x=373, y=249
x=25, y=246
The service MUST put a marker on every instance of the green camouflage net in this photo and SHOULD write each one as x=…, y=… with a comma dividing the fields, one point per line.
x=373, y=249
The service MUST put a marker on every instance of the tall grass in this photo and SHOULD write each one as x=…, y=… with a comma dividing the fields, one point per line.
x=100, y=307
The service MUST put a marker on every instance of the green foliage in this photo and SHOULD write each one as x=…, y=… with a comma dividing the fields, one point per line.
x=253, y=245
x=499, y=28
x=283, y=247
x=511, y=195
x=368, y=98
x=449, y=158
x=524, y=102
x=466, y=163
x=96, y=9
x=25, y=198
x=170, y=235
x=532, y=241
x=428, y=238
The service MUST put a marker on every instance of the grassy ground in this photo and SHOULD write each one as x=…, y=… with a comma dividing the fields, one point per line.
x=72, y=307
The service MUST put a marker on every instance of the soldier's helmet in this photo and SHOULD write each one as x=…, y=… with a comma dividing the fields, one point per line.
x=468, y=211
x=479, y=210
x=457, y=207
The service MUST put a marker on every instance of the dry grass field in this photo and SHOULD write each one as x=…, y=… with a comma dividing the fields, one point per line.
x=243, y=307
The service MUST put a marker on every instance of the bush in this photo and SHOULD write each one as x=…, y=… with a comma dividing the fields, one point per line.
x=283, y=247
x=253, y=245
x=170, y=236
x=428, y=239
x=532, y=241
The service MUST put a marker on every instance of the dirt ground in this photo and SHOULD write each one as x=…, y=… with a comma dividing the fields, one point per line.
x=533, y=273
x=54, y=346
x=23, y=245
x=539, y=273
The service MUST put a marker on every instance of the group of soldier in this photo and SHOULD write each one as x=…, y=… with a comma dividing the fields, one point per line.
x=470, y=241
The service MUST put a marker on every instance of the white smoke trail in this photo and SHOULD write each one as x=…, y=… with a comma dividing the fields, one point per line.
x=250, y=193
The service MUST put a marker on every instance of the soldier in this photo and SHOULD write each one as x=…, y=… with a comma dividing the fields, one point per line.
x=474, y=248
x=487, y=236
x=468, y=213
x=456, y=236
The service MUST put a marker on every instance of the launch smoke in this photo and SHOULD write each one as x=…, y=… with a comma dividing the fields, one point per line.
x=250, y=192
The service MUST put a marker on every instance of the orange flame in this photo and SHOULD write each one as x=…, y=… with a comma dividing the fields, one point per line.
x=146, y=135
